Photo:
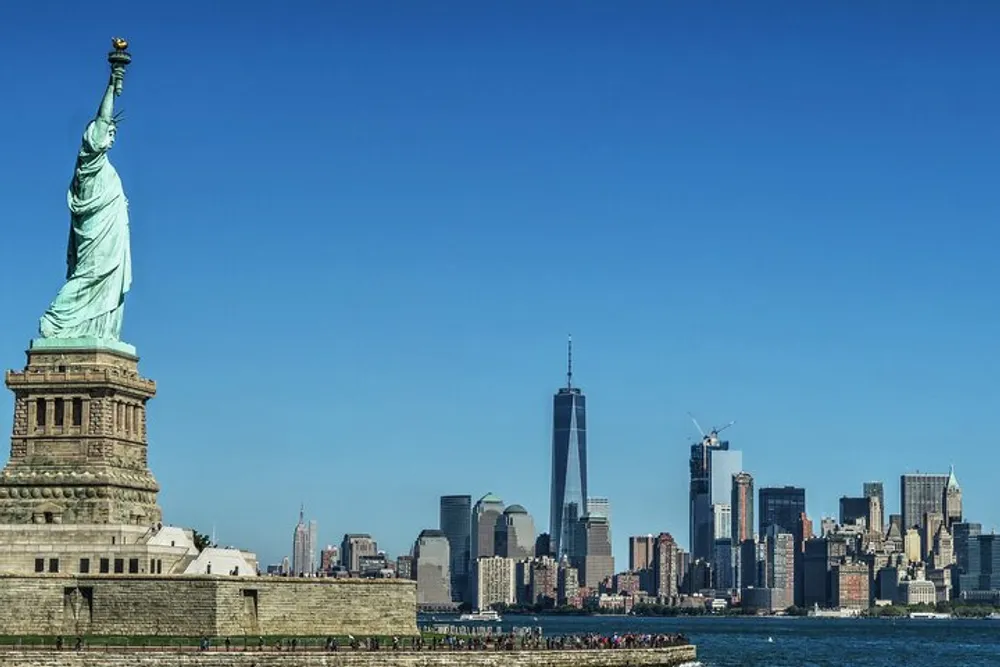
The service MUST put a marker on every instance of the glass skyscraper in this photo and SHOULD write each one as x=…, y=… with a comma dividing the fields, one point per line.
x=983, y=562
x=782, y=507
x=724, y=464
x=712, y=468
x=569, y=464
x=700, y=510
x=456, y=524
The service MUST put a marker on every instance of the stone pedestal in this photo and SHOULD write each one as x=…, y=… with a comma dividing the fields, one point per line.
x=78, y=448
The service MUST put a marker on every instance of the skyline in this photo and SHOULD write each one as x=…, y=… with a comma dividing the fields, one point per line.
x=759, y=507
x=782, y=218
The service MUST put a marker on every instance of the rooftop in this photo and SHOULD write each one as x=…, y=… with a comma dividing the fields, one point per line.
x=432, y=532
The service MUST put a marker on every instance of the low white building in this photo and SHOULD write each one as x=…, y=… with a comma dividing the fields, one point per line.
x=917, y=592
x=214, y=560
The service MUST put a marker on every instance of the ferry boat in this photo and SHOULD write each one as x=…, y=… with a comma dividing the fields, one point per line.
x=995, y=616
x=481, y=615
x=928, y=614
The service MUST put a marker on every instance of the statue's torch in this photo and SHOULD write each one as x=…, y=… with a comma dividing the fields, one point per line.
x=119, y=58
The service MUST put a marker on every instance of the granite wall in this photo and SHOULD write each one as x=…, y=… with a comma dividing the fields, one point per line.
x=205, y=605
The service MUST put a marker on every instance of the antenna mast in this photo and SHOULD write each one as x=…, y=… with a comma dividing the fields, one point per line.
x=569, y=362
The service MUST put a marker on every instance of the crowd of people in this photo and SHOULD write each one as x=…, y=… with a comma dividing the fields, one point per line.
x=535, y=641
x=531, y=640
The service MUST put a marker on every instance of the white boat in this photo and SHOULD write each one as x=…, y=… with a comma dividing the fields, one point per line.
x=995, y=616
x=928, y=614
x=481, y=615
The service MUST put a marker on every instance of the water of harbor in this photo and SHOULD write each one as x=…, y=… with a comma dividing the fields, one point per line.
x=801, y=642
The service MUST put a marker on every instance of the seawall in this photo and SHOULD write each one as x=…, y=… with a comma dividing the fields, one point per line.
x=191, y=606
x=648, y=657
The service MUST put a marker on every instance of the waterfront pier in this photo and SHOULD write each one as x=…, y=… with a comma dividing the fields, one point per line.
x=672, y=656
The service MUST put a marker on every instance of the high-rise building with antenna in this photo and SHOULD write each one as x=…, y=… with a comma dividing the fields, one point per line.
x=304, y=546
x=569, y=462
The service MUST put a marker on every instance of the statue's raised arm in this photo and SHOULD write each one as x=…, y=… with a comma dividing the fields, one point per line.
x=88, y=309
x=105, y=118
x=100, y=134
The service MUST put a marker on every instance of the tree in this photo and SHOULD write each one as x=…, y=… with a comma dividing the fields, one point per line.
x=202, y=541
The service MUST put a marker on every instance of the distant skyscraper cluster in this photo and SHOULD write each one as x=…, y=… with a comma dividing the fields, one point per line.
x=495, y=556
x=767, y=558
x=752, y=546
x=357, y=555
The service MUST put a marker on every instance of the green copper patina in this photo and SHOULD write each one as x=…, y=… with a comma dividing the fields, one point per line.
x=87, y=311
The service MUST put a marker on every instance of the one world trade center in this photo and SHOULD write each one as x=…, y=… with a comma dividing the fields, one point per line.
x=569, y=463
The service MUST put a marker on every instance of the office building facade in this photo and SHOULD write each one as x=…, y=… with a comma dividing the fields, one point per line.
x=983, y=568
x=876, y=490
x=640, y=552
x=353, y=547
x=495, y=582
x=665, y=566
x=515, y=534
x=919, y=494
x=781, y=568
x=432, y=560
x=485, y=515
x=852, y=509
x=782, y=507
x=741, y=507
x=456, y=524
x=723, y=465
x=593, y=558
x=329, y=558
x=961, y=534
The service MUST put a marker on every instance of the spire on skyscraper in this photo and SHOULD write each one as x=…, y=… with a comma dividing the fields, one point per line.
x=952, y=480
x=569, y=362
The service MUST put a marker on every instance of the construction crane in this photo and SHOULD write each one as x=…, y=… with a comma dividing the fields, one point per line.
x=712, y=437
x=717, y=431
x=697, y=425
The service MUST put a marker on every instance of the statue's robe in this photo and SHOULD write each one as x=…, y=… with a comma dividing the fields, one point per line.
x=99, y=261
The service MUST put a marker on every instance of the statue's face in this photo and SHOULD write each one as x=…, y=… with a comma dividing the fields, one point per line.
x=112, y=132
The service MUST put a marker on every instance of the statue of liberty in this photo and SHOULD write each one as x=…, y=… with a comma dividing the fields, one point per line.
x=99, y=264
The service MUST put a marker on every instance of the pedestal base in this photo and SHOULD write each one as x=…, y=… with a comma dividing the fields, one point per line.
x=78, y=446
x=86, y=343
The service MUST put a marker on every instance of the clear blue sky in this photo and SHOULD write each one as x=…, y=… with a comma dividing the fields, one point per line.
x=362, y=231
